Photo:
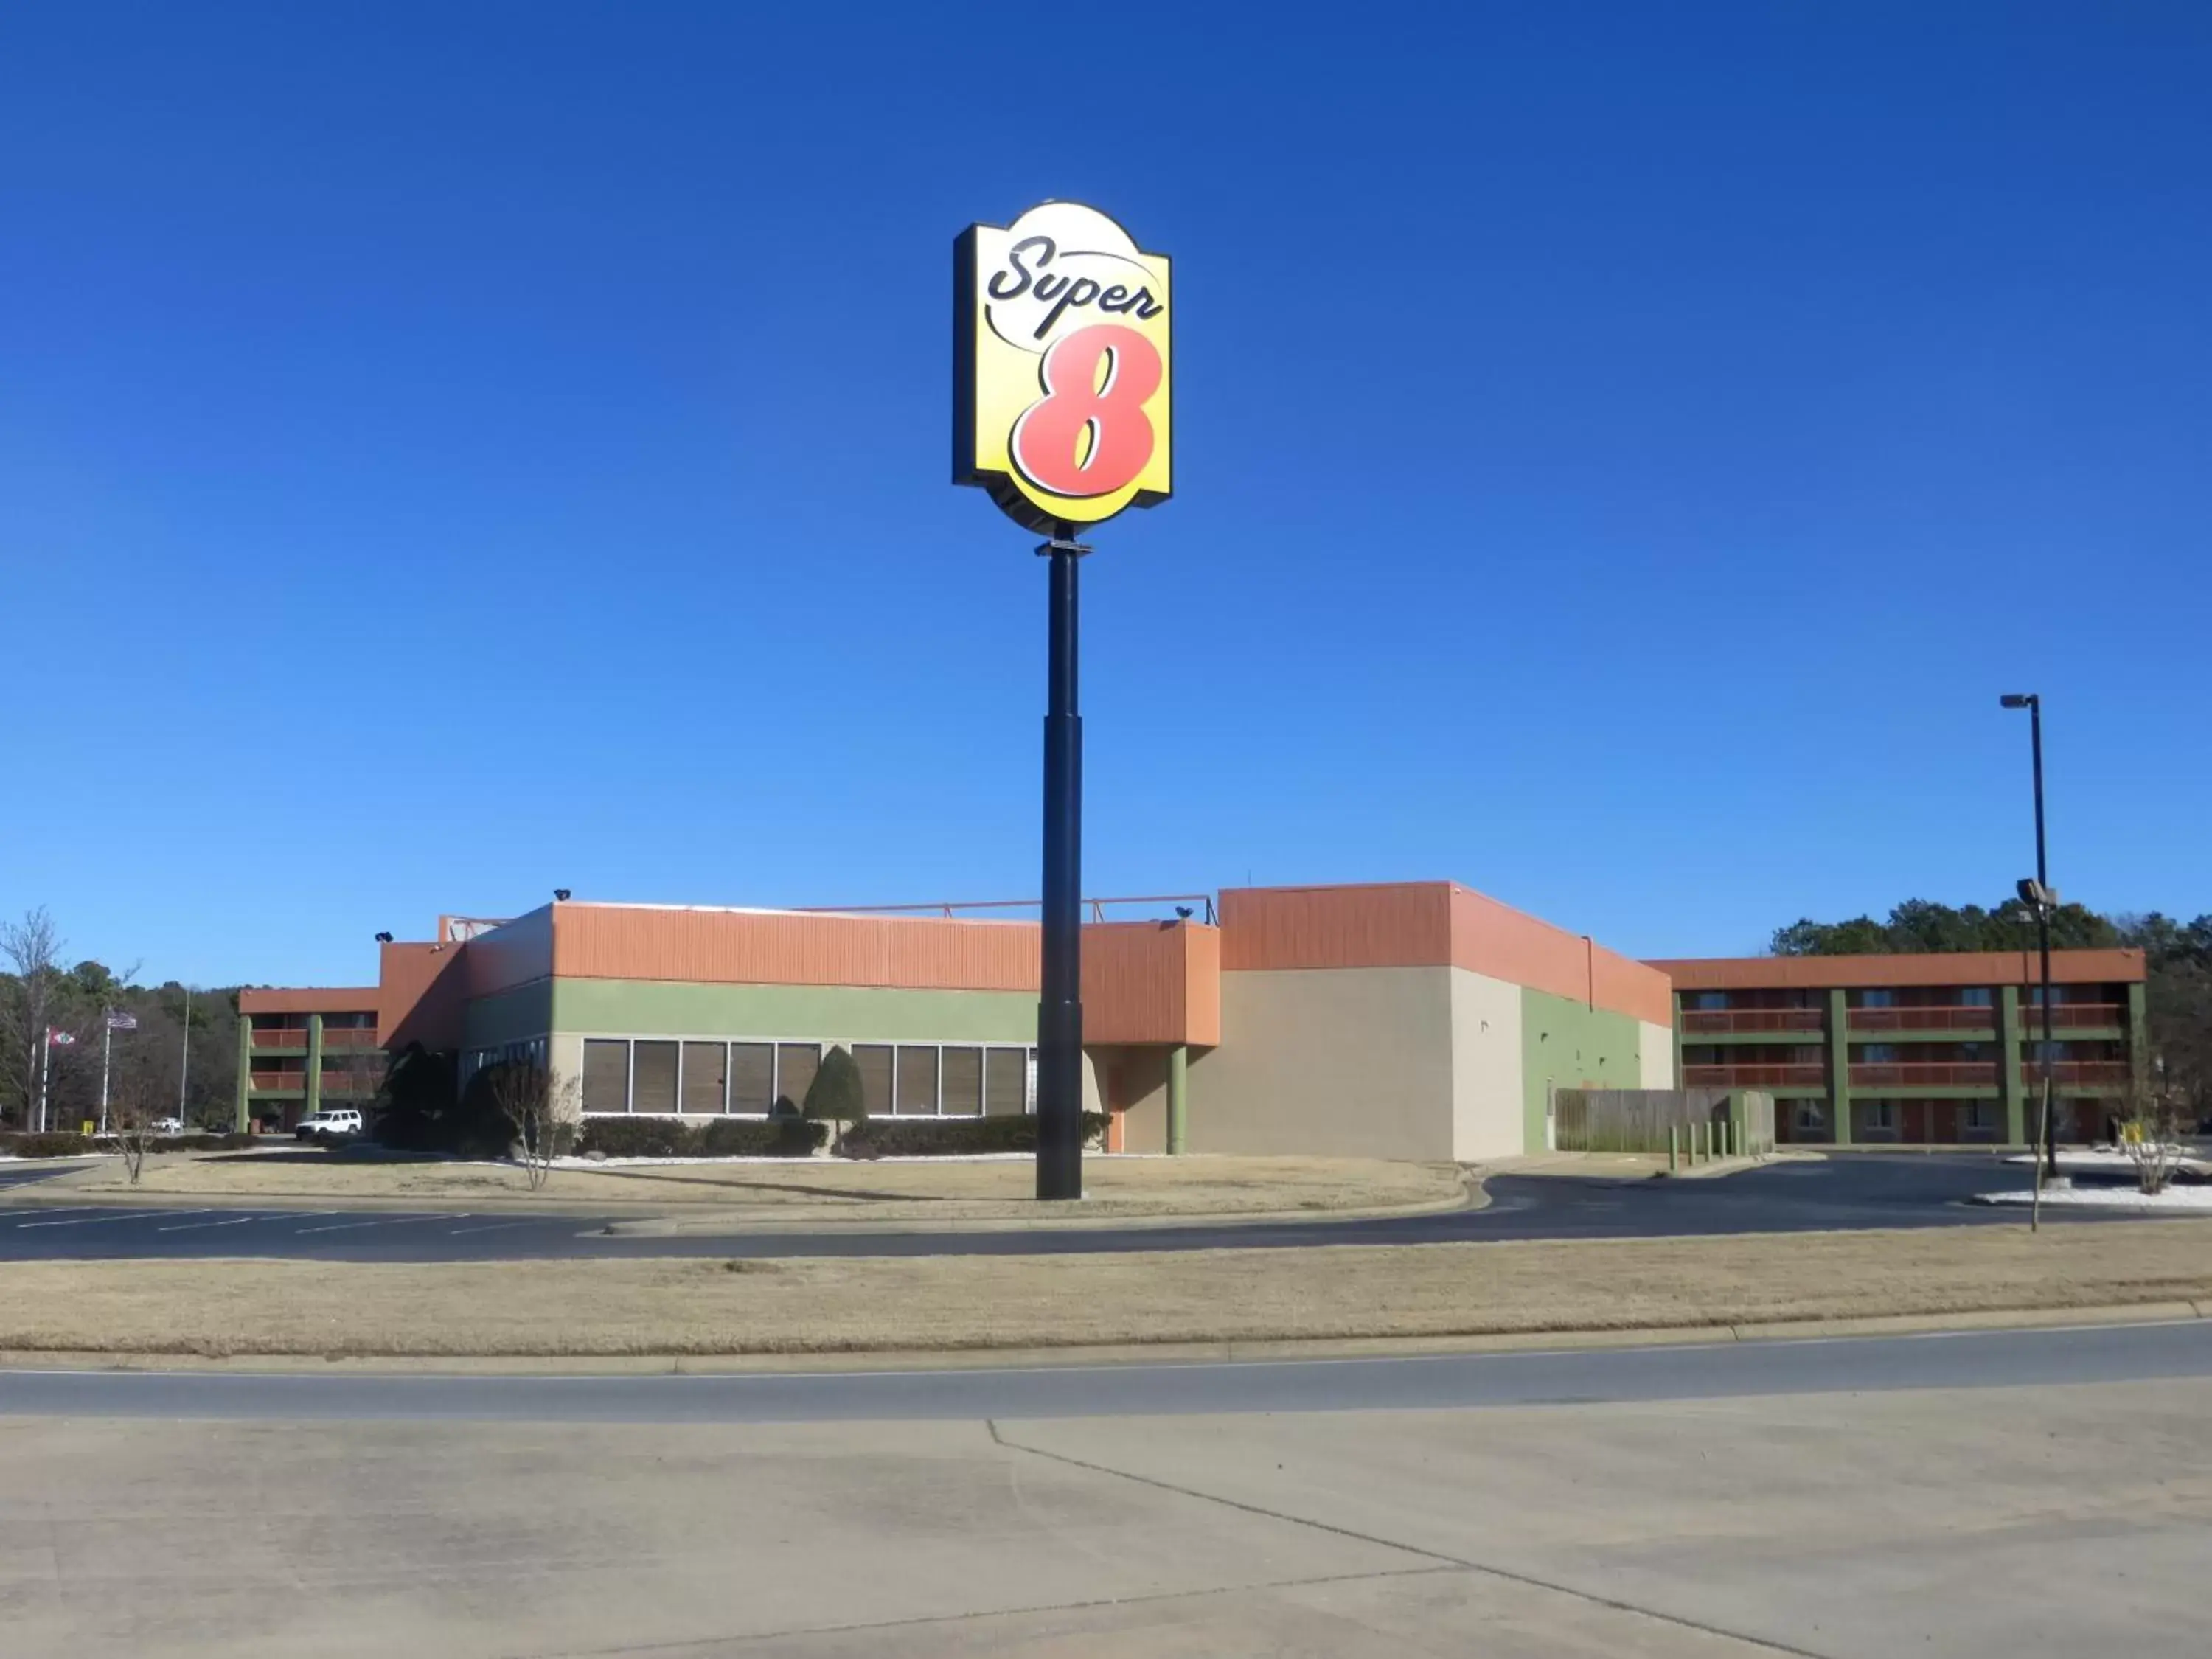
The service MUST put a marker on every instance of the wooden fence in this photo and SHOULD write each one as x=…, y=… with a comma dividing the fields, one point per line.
x=1638, y=1119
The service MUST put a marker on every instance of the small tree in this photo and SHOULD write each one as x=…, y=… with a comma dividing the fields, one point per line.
x=836, y=1094
x=542, y=1109
x=2154, y=1117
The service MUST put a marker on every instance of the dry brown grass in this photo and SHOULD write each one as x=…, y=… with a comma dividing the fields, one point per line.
x=708, y=1307
x=813, y=1190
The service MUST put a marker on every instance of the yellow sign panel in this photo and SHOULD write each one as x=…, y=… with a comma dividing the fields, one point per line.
x=1062, y=359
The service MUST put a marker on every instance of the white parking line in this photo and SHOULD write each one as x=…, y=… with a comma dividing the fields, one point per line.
x=237, y=1222
x=114, y=1215
x=389, y=1221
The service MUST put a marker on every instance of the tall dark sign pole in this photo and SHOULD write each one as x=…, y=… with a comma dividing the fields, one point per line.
x=1062, y=353
x=1059, y=1005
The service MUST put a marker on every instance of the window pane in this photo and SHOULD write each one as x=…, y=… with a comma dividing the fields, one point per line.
x=606, y=1075
x=917, y=1080
x=875, y=1060
x=796, y=1064
x=653, y=1078
x=752, y=1075
x=1002, y=1082
x=702, y=1076
x=962, y=1082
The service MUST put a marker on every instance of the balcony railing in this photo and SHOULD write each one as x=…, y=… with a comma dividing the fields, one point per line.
x=279, y=1079
x=1753, y=1076
x=348, y=1036
x=2063, y=1072
x=1963, y=1017
x=1913, y=1073
x=280, y=1036
x=2076, y=1015
x=1706, y=1020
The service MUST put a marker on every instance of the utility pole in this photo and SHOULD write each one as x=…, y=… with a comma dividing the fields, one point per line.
x=184, y=1064
x=2037, y=895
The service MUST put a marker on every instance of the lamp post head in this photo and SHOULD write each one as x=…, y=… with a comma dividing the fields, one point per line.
x=2018, y=700
x=384, y=938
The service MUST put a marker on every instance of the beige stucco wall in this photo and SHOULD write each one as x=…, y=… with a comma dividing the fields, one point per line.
x=1329, y=1062
x=1656, y=1055
x=1143, y=1089
x=564, y=1064
x=1486, y=1119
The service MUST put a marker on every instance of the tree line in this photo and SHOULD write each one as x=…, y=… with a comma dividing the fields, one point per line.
x=41, y=991
x=2177, y=955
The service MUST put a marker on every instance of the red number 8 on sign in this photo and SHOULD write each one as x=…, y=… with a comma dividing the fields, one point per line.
x=1089, y=434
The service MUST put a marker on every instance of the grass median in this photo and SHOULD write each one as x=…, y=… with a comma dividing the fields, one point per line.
x=711, y=1307
x=801, y=1189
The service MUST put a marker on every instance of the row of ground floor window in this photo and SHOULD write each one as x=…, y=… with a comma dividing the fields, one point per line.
x=1903, y=1121
x=710, y=1079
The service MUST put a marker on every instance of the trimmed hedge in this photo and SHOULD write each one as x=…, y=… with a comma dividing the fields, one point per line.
x=56, y=1143
x=52, y=1144
x=949, y=1136
x=720, y=1137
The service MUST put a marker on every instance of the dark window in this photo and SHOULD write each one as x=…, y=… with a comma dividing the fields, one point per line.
x=796, y=1064
x=1006, y=1079
x=702, y=1076
x=917, y=1080
x=1709, y=999
x=962, y=1082
x=1975, y=996
x=752, y=1076
x=606, y=1075
x=653, y=1078
x=875, y=1062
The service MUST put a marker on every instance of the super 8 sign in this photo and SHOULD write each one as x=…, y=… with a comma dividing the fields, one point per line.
x=1062, y=356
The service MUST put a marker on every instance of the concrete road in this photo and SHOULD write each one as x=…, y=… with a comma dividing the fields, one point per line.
x=1844, y=1192
x=2030, y=1518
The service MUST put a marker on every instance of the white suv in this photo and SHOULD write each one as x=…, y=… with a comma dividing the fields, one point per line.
x=315, y=1125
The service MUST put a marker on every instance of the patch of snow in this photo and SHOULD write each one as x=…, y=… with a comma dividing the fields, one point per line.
x=2185, y=1199
x=2098, y=1158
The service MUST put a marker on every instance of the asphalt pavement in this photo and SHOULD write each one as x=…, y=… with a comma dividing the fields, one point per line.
x=1845, y=1192
x=2083, y=1355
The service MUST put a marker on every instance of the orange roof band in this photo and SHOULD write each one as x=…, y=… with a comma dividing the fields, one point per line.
x=1431, y=924
x=308, y=1000
x=1945, y=968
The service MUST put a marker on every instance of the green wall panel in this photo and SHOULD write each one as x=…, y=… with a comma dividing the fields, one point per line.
x=852, y=1013
x=509, y=1017
x=1570, y=1044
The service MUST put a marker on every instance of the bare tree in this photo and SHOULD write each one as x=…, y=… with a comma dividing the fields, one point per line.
x=2154, y=1116
x=139, y=1099
x=542, y=1108
x=33, y=948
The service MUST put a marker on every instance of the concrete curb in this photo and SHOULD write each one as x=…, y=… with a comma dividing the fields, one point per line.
x=1473, y=1196
x=1075, y=1356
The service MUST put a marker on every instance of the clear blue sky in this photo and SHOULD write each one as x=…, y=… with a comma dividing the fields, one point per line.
x=451, y=452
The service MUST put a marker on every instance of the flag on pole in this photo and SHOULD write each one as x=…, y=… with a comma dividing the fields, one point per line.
x=59, y=1039
x=118, y=1021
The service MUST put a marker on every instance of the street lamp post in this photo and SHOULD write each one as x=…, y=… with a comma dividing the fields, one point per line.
x=2042, y=901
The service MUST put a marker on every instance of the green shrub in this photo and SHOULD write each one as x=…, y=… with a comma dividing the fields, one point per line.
x=949, y=1136
x=638, y=1137
x=739, y=1136
x=836, y=1094
x=720, y=1137
x=53, y=1143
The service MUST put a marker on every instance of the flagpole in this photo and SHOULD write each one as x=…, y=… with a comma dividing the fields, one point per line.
x=46, y=1060
x=107, y=1048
